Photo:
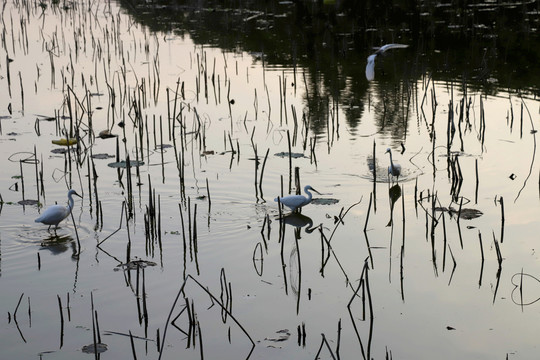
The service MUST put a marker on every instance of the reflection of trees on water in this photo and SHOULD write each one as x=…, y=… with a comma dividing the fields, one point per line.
x=488, y=45
x=389, y=107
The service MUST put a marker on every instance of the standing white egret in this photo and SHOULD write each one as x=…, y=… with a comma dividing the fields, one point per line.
x=56, y=213
x=295, y=202
x=393, y=169
x=370, y=67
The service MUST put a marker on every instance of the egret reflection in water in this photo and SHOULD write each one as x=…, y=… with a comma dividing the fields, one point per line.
x=394, y=193
x=299, y=221
x=59, y=244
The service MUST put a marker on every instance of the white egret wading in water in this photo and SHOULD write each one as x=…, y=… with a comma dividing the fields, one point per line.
x=393, y=169
x=295, y=202
x=56, y=213
x=370, y=67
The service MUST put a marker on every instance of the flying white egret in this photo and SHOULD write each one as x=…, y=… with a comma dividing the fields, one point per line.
x=370, y=67
x=393, y=169
x=56, y=213
x=295, y=202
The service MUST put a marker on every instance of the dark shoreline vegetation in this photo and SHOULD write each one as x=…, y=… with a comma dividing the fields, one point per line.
x=475, y=41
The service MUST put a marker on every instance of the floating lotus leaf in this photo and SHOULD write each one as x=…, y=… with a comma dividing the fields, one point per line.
x=469, y=214
x=61, y=150
x=93, y=349
x=286, y=154
x=123, y=164
x=28, y=202
x=65, y=142
x=102, y=156
x=321, y=201
x=163, y=146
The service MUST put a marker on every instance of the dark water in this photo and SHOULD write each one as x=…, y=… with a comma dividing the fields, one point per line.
x=486, y=44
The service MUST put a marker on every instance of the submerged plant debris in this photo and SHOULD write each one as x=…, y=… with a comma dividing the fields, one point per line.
x=135, y=264
x=282, y=335
x=106, y=134
x=466, y=213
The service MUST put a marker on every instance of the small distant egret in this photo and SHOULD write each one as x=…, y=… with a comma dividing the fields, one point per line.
x=56, y=213
x=393, y=169
x=295, y=202
x=370, y=67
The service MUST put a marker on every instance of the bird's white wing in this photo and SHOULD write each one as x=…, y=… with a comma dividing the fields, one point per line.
x=53, y=215
x=391, y=46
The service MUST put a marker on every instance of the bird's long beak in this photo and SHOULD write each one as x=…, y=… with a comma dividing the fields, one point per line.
x=77, y=195
x=316, y=191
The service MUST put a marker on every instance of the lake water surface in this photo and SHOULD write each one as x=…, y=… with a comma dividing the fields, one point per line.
x=221, y=109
